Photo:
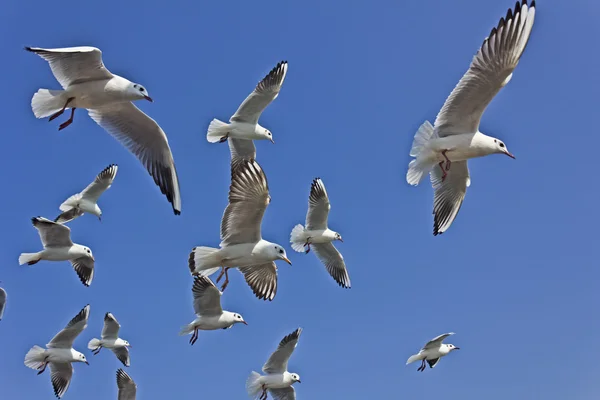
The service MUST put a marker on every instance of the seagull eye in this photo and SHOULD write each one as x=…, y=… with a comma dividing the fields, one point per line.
x=502, y=145
x=280, y=251
x=141, y=89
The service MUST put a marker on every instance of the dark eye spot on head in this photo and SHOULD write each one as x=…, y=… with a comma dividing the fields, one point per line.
x=495, y=141
x=502, y=145
x=141, y=89
x=281, y=251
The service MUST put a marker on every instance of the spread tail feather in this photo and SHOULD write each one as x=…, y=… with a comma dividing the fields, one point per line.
x=297, y=238
x=413, y=358
x=217, y=131
x=94, y=344
x=418, y=167
x=46, y=102
x=29, y=258
x=253, y=385
x=34, y=358
x=186, y=330
x=204, y=260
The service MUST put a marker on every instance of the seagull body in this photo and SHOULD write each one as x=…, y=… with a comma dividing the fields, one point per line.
x=209, y=313
x=60, y=354
x=433, y=351
x=108, y=98
x=126, y=385
x=443, y=149
x=2, y=302
x=243, y=125
x=86, y=201
x=58, y=246
x=319, y=235
x=111, y=340
x=277, y=381
x=242, y=245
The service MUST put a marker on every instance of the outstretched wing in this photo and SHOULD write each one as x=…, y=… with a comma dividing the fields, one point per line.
x=318, y=206
x=64, y=339
x=278, y=362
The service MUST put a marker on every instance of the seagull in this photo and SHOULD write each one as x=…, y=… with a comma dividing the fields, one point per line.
x=76, y=205
x=444, y=148
x=2, y=302
x=319, y=235
x=244, y=123
x=108, y=98
x=126, y=385
x=60, y=354
x=433, y=351
x=278, y=381
x=111, y=340
x=242, y=245
x=58, y=246
x=207, y=307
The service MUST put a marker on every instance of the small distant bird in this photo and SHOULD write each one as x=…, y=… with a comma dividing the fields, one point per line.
x=60, y=354
x=433, y=351
x=319, y=235
x=242, y=245
x=244, y=123
x=76, y=205
x=111, y=340
x=58, y=246
x=126, y=385
x=444, y=148
x=207, y=307
x=278, y=381
x=2, y=302
x=108, y=98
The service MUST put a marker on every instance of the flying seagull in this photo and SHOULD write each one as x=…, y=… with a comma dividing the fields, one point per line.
x=243, y=126
x=111, y=340
x=207, y=307
x=278, y=381
x=85, y=202
x=108, y=98
x=60, y=354
x=319, y=235
x=126, y=385
x=56, y=239
x=242, y=245
x=444, y=148
x=433, y=351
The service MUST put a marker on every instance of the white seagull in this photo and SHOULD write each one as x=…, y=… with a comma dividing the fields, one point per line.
x=443, y=149
x=244, y=123
x=242, y=245
x=85, y=202
x=111, y=340
x=60, y=354
x=56, y=239
x=319, y=235
x=2, y=302
x=126, y=385
x=108, y=98
x=278, y=381
x=207, y=307
x=433, y=351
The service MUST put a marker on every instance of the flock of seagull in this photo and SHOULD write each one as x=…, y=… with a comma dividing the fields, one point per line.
x=440, y=150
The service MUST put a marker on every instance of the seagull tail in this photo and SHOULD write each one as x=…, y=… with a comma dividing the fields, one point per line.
x=29, y=258
x=413, y=358
x=186, y=329
x=203, y=258
x=94, y=344
x=35, y=357
x=297, y=238
x=253, y=385
x=419, y=167
x=217, y=130
x=422, y=136
x=46, y=102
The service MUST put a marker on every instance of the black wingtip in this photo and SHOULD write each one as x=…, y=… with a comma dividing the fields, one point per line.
x=28, y=48
x=176, y=211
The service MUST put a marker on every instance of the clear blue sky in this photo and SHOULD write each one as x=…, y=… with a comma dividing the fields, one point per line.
x=516, y=276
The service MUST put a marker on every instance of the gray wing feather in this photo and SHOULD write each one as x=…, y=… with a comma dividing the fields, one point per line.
x=126, y=385
x=318, y=206
x=241, y=149
x=51, y=233
x=207, y=298
x=122, y=354
x=84, y=267
x=68, y=215
x=111, y=327
x=262, y=279
x=333, y=261
x=278, y=362
x=288, y=393
x=60, y=375
x=64, y=339
x=437, y=341
x=449, y=194
x=2, y=302
x=102, y=182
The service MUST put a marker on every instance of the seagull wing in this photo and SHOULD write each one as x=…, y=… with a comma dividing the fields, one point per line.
x=146, y=140
x=64, y=339
x=122, y=354
x=60, y=375
x=102, y=182
x=2, y=302
x=126, y=385
x=111, y=327
x=241, y=149
x=436, y=342
x=52, y=233
x=265, y=92
x=490, y=70
x=278, y=362
x=288, y=393
x=318, y=206
x=262, y=279
x=84, y=267
x=333, y=261
x=207, y=298
x=448, y=195
x=73, y=65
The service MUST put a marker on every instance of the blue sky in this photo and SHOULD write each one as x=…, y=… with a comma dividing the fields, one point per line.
x=516, y=276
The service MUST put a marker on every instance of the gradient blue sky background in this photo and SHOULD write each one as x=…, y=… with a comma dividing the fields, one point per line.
x=516, y=276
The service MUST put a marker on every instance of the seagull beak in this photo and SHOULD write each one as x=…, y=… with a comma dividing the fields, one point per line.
x=341, y=240
x=286, y=260
x=457, y=348
x=100, y=218
x=93, y=259
x=510, y=155
x=149, y=99
x=272, y=141
x=130, y=346
x=87, y=363
x=244, y=322
x=299, y=381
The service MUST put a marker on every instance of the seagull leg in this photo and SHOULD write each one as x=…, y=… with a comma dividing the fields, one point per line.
x=263, y=395
x=448, y=162
x=422, y=367
x=224, y=138
x=443, y=171
x=226, y=279
x=221, y=274
x=97, y=350
x=194, y=336
x=307, y=244
x=67, y=122
x=59, y=113
x=43, y=367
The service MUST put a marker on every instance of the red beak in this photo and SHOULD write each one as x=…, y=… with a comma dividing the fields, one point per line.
x=510, y=155
x=244, y=322
x=149, y=99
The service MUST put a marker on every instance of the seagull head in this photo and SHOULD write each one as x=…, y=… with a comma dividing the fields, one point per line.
x=280, y=254
x=81, y=358
x=452, y=347
x=338, y=237
x=127, y=344
x=295, y=378
x=139, y=92
x=238, y=319
x=88, y=253
x=500, y=147
x=264, y=132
